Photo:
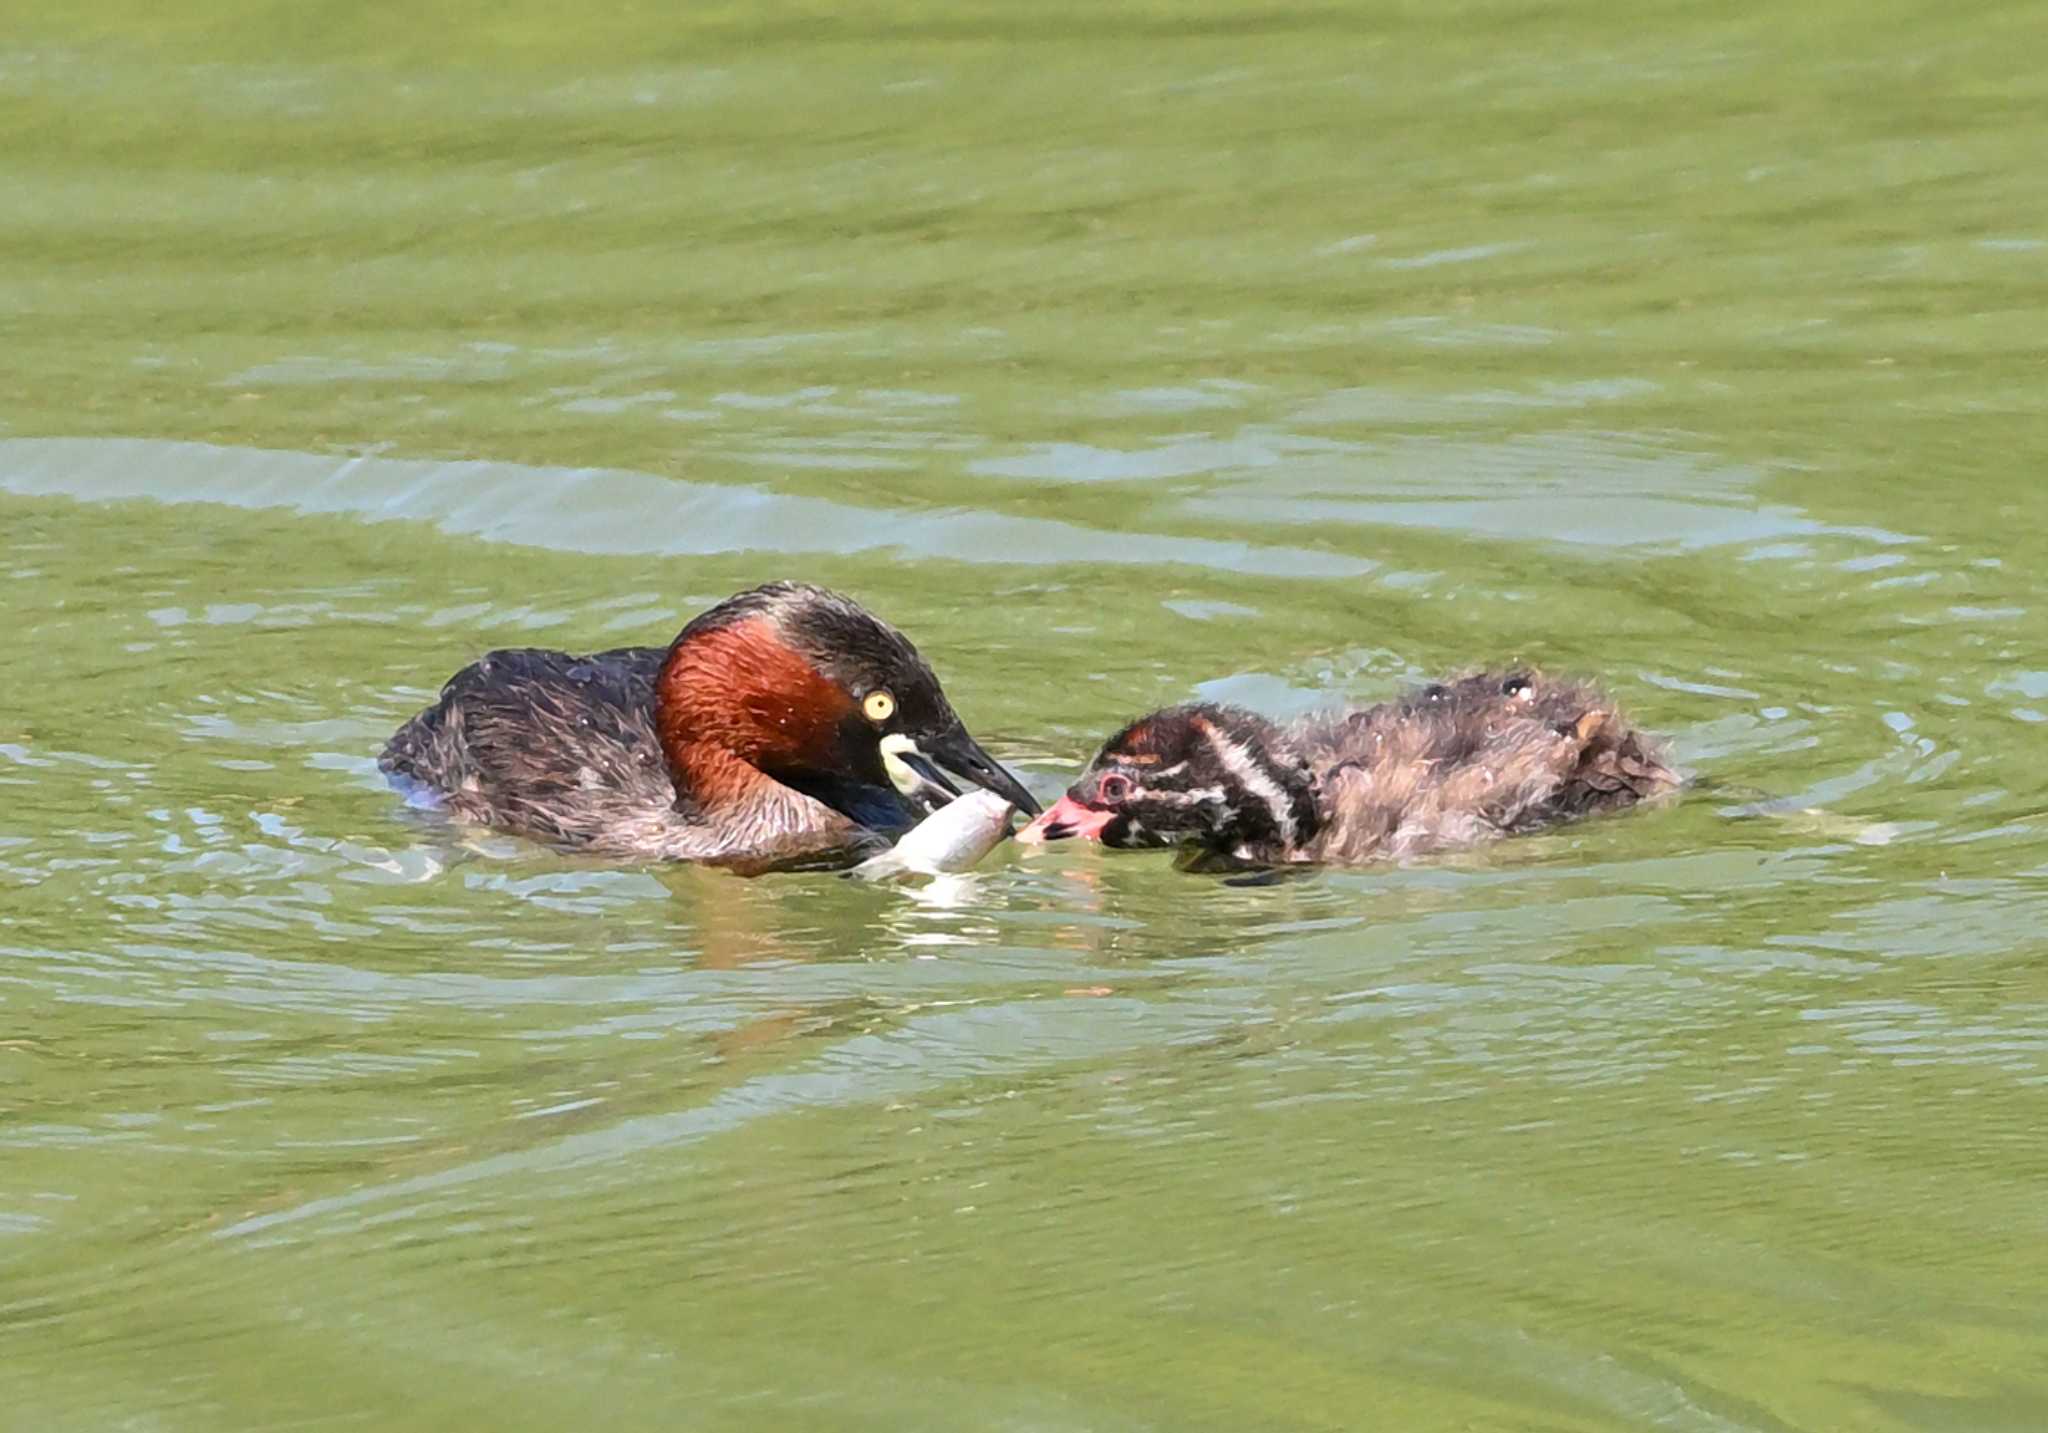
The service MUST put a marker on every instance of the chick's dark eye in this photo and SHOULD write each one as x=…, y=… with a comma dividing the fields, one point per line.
x=1113, y=787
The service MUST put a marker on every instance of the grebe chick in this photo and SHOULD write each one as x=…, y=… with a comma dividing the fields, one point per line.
x=1452, y=765
x=787, y=726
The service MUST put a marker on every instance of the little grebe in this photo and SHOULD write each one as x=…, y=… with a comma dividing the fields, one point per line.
x=786, y=726
x=1452, y=765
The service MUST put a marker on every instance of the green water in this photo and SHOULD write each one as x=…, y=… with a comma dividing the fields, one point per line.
x=1120, y=354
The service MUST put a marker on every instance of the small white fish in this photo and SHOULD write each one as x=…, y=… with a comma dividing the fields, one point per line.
x=953, y=838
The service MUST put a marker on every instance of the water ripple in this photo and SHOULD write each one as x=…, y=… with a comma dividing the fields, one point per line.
x=600, y=510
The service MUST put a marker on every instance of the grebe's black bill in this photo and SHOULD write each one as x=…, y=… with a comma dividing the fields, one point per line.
x=919, y=768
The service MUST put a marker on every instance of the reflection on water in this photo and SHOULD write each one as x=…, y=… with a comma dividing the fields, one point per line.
x=1073, y=345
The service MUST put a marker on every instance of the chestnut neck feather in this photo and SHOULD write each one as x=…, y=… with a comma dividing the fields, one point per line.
x=736, y=703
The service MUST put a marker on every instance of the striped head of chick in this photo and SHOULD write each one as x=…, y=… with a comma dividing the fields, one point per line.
x=1202, y=775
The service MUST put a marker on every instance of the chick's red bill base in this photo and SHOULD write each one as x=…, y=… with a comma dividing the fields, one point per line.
x=1067, y=817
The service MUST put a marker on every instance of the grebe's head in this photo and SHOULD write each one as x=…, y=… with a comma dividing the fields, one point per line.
x=816, y=691
x=1202, y=775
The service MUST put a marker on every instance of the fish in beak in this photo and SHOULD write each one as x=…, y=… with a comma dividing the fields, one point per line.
x=950, y=840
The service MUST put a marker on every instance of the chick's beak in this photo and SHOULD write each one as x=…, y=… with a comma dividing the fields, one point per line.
x=961, y=755
x=1068, y=817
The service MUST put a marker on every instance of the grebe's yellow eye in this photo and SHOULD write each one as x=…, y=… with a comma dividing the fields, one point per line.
x=879, y=706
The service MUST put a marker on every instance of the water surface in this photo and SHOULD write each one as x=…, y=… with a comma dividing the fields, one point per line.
x=1122, y=356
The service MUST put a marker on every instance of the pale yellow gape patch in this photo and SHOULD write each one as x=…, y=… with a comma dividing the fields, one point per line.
x=900, y=776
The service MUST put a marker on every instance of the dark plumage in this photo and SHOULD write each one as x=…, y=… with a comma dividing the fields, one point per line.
x=1451, y=765
x=521, y=737
x=785, y=726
